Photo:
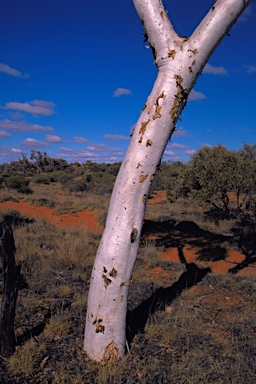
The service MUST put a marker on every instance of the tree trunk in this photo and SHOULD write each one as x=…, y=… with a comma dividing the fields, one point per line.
x=10, y=290
x=179, y=61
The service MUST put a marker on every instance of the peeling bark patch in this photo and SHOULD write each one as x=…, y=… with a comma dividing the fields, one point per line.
x=157, y=113
x=172, y=53
x=104, y=269
x=113, y=272
x=98, y=326
x=152, y=177
x=180, y=98
x=144, y=198
x=107, y=281
x=140, y=139
x=134, y=234
x=195, y=51
x=143, y=127
x=149, y=143
x=122, y=298
x=122, y=284
x=161, y=96
x=190, y=69
x=111, y=352
x=139, y=165
x=143, y=178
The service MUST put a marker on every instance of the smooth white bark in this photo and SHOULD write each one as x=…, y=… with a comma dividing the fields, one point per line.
x=179, y=61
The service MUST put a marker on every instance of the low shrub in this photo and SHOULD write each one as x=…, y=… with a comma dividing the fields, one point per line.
x=16, y=182
x=26, y=190
x=42, y=179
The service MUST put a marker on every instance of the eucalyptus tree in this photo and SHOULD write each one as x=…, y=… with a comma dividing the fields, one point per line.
x=179, y=60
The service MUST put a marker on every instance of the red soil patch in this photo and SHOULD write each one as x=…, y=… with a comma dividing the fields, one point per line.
x=232, y=196
x=62, y=196
x=157, y=197
x=221, y=266
x=85, y=219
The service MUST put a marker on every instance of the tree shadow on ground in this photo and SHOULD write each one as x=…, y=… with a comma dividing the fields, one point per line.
x=137, y=318
x=246, y=243
x=209, y=246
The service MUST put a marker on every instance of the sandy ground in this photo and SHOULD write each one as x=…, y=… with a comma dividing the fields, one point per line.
x=87, y=220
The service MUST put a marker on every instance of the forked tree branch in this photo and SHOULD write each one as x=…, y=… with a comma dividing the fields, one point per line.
x=180, y=61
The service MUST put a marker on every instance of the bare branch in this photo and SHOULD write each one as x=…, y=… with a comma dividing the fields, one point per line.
x=215, y=26
x=158, y=28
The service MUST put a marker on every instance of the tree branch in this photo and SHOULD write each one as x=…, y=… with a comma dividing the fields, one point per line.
x=215, y=26
x=158, y=28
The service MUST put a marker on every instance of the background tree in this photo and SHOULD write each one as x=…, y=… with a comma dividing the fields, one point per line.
x=213, y=173
x=179, y=60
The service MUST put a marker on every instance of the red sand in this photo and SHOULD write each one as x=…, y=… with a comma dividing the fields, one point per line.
x=87, y=220
x=84, y=219
x=221, y=266
x=157, y=197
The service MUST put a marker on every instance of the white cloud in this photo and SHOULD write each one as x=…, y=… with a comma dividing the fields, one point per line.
x=65, y=149
x=169, y=153
x=53, y=139
x=121, y=91
x=8, y=154
x=4, y=134
x=35, y=107
x=181, y=132
x=178, y=146
x=97, y=152
x=22, y=126
x=30, y=142
x=16, y=115
x=249, y=68
x=214, y=70
x=195, y=95
x=16, y=150
x=80, y=140
x=11, y=71
x=190, y=152
x=116, y=137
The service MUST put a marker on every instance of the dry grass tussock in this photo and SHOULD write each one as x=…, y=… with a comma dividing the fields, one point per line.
x=202, y=334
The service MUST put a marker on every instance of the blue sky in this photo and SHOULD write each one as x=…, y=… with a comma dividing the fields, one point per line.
x=75, y=74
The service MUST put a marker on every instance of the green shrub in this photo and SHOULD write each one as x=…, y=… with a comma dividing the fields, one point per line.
x=78, y=186
x=16, y=182
x=41, y=179
x=26, y=190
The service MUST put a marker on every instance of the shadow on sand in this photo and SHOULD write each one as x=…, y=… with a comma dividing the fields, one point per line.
x=210, y=247
x=137, y=318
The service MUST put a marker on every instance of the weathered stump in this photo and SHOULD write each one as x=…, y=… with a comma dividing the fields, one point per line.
x=11, y=275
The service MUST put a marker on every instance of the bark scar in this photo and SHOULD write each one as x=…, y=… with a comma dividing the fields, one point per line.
x=157, y=113
x=143, y=127
x=113, y=272
x=99, y=327
x=107, y=281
